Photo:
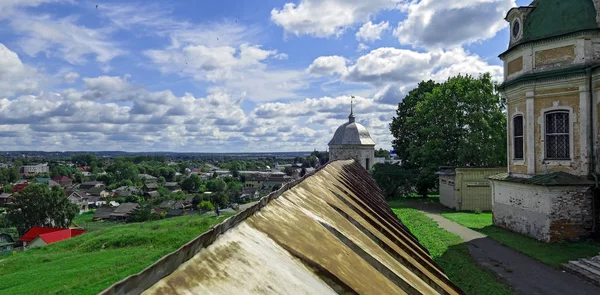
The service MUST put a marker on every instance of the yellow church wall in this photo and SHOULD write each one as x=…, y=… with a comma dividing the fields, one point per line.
x=570, y=102
x=555, y=55
x=515, y=65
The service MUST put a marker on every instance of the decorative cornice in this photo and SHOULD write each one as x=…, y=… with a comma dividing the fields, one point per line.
x=520, y=45
x=549, y=76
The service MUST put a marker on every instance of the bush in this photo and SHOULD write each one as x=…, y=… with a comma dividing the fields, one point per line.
x=206, y=206
x=477, y=211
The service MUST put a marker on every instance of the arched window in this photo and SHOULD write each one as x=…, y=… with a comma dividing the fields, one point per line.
x=557, y=135
x=518, y=137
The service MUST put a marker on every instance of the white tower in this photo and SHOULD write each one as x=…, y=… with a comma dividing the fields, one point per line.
x=352, y=141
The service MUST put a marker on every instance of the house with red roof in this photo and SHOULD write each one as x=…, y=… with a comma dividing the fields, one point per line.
x=39, y=236
x=18, y=188
x=63, y=180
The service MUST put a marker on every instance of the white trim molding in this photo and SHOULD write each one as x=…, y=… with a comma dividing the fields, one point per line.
x=542, y=121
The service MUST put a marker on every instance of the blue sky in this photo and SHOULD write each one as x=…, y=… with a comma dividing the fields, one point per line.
x=227, y=76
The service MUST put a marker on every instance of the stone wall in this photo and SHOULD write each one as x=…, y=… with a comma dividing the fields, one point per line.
x=360, y=153
x=547, y=214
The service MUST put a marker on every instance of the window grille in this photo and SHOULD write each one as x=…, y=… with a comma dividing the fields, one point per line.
x=557, y=135
x=518, y=137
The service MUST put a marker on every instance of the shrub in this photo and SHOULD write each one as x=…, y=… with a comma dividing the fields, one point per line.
x=206, y=206
x=477, y=211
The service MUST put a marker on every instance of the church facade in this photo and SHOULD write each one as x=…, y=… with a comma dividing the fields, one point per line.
x=552, y=90
x=352, y=141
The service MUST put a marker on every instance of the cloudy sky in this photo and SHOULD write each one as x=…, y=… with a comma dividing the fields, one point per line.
x=229, y=75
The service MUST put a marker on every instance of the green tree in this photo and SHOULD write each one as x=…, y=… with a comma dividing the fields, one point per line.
x=7, y=188
x=143, y=213
x=123, y=169
x=393, y=179
x=288, y=170
x=39, y=205
x=191, y=184
x=206, y=206
x=15, y=173
x=456, y=123
x=216, y=185
x=382, y=153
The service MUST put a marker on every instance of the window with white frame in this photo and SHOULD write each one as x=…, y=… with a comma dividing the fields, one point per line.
x=557, y=135
x=518, y=137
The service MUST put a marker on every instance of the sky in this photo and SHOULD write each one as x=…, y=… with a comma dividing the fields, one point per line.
x=227, y=76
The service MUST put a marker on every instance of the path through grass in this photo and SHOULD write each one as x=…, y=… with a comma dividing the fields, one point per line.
x=553, y=254
x=453, y=256
x=95, y=260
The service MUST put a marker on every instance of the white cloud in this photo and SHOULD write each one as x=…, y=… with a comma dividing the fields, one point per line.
x=394, y=71
x=280, y=56
x=15, y=77
x=443, y=24
x=370, y=32
x=392, y=65
x=362, y=47
x=63, y=38
x=71, y=77
x=324, y=18
x=328, y=65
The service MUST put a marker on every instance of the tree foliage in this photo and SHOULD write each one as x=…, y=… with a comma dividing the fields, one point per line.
x=191, y=184
x=206, y=206
x=39, y=205
x=382, y=153
x=456, y=123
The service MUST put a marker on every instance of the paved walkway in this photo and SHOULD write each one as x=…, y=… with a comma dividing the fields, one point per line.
x=523, y=274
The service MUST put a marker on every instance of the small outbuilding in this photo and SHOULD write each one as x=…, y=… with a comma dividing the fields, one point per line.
x=466, y=189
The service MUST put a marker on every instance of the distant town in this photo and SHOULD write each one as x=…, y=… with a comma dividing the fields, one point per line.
x=111, y=187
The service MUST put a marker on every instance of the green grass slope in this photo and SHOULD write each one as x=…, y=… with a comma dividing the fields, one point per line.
x=95, y=260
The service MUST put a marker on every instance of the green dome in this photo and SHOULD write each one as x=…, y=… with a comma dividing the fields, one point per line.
x=556, y=17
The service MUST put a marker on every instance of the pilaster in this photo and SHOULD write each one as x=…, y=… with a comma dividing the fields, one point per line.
x=530, y=131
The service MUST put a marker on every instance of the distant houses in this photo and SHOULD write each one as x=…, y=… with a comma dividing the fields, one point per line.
x=63, y=180
x=40, y=236
x=7, y=243
x=123, y=212
x=33, y=170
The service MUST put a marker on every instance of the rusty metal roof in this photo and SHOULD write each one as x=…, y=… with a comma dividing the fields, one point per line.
x=328, y=233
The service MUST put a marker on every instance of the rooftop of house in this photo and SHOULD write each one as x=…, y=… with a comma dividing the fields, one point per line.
x=153, y=194
x=36, y=231
x=147, y=177
x=61, y=178
x=96, y=191
x=125, y=208
x=551, y=179
x=345, y=240
x=62, y=234
x=151, y=185
x=103, y=212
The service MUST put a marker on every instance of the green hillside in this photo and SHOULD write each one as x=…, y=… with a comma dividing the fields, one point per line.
x=95, y=260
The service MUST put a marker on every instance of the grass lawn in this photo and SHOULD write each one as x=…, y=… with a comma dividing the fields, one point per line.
x=553, y=254
x=95, y=260
x=85, y=221
x=449, y=252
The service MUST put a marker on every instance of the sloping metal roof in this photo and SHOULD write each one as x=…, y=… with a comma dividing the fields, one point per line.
x=328, y=233
x=351, y=133
x=550, y=179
